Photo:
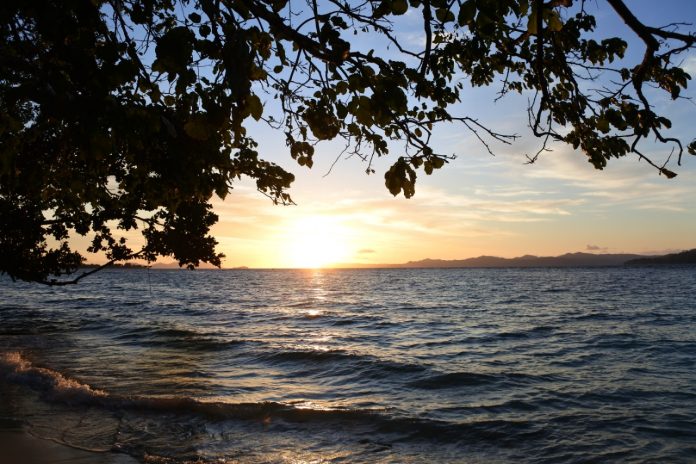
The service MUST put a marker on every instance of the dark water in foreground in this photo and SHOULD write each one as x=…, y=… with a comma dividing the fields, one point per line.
x=538, y=365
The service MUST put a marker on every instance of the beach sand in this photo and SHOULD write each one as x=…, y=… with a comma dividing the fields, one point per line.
x=19, y=447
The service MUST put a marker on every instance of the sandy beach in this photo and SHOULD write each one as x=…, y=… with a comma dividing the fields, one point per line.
x=20, y=447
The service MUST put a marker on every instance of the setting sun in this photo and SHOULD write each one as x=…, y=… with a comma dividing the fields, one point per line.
x=317, y=242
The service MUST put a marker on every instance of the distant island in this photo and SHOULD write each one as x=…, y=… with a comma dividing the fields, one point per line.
x=125, y=265
x=158, y=265
x=685, y=257
x=528, y=261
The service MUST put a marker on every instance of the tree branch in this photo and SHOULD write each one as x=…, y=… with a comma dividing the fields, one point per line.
x=61, y=283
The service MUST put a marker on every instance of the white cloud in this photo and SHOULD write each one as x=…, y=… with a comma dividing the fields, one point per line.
x=689, y=65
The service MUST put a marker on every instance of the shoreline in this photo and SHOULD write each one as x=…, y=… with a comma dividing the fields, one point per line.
x=21, y=447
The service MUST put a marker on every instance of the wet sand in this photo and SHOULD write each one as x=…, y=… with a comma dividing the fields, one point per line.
x=19, y=447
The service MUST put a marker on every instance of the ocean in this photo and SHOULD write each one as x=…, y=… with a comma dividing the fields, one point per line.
x=358, y=366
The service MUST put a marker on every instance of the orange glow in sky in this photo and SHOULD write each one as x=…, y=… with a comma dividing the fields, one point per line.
x=315, y=242
x=476, y=205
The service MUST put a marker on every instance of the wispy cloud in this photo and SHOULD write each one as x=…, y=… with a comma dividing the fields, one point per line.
x=689, y=65
x=624, y=183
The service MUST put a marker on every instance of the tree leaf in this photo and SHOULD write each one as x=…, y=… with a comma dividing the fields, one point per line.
x=198, y=128
x=554, y=21
x=399, y=7
x=668, y=174
x=254, y=106
x=467, y=12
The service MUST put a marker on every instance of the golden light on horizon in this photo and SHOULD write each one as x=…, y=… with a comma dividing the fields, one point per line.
x=317, y=241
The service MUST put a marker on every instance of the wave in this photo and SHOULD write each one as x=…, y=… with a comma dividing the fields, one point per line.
x=193, y=344
x=465, y=379
x=20, y=370
x=140, y=331
x=56, y=386
x=359, y=364
x=309, y=355
x=183, y=339
x=453, y=379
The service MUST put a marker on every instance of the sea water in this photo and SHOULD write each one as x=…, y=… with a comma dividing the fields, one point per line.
x=372, y=366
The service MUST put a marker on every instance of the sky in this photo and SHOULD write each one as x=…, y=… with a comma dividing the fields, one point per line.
x=478, y=204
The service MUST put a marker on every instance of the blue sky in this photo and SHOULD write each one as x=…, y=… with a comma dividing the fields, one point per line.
x=478, y=204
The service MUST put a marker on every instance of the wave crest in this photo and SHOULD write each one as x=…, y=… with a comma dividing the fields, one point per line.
x=19, y=369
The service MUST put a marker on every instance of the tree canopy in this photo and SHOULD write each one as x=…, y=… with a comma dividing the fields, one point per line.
x=118, y=115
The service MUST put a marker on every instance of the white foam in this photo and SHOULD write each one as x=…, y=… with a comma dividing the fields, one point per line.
x=18, y=368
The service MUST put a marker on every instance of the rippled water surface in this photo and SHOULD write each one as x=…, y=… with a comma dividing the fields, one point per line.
x=441, y=365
